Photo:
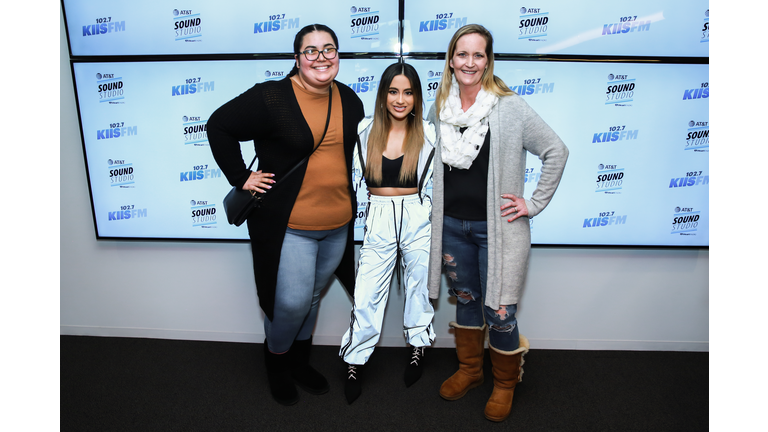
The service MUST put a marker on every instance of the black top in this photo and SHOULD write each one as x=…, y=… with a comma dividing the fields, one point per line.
x=465, y=189
x=390, y=174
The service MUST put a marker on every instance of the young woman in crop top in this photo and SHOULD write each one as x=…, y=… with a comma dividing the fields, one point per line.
x=394, y=155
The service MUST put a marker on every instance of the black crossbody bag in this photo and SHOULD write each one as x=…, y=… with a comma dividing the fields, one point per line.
x=239, y=203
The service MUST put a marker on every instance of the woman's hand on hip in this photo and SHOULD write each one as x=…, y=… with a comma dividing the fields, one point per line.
x=515, y=207
x=259, y=181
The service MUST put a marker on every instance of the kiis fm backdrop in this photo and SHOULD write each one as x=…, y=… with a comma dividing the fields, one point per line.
x=638, y=131
x=162, y=27
x=648, y=28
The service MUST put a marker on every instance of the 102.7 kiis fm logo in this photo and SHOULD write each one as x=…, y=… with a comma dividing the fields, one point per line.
x=701, y=92
x=615, y=133
x=533, y=24
x=443, y=21
x=127, y=212
x=697, y=138
x=627, y=24
x=277, y=22
x=200, y=172
x=620, y=90
x=121, y=174
x=104, y=25
x=364, y=22
x=117, y=130
x=195, y=130
x=365, y=84
x=603, y=219
x=111, y=88
x=691, y=179
x=192, y=86
x=203, y=214
x=533, y=86
x=685, y=221
x=187, y=25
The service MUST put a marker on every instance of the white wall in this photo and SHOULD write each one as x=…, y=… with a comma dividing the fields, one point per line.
x=575, y=298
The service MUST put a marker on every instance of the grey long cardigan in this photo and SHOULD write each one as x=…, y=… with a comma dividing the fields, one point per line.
x=515, y=128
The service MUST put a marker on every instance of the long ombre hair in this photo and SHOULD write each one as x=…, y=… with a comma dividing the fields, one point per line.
x=414, y=136
x=490, y=82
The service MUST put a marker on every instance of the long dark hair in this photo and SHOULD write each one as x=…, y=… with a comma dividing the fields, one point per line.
x=378, y=137
x=297, y=41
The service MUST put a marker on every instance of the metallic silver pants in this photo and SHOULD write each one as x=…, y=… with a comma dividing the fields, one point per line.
x=397, y=227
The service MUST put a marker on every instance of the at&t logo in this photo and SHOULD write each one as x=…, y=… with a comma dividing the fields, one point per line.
x=203, y=214
x=120, y=173
x=620, y=90
x=364, y=22
x=187, y=26
x=610, y=179
x=274, y=75
x=698, y=136
x=685, y=221
x=110, y=88
x=195, y=130
x=533, y=24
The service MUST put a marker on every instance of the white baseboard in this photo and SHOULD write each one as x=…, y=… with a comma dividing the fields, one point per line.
x=444, y=342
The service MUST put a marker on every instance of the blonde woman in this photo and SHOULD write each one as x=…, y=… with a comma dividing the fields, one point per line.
x=480, y=221
x=394, y=154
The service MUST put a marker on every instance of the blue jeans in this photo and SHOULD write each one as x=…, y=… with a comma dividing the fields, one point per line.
x=307, y=262
x=465, y=259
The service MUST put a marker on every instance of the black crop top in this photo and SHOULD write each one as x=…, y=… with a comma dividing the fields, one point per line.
x=390, y=174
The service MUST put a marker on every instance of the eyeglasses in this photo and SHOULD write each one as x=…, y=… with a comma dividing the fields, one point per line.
x=313, y=54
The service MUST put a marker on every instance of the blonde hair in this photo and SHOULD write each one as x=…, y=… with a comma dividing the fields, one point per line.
x=490, y=82
x=379, y=135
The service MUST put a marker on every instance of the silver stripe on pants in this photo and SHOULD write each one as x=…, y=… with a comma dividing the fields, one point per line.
x=395, y=226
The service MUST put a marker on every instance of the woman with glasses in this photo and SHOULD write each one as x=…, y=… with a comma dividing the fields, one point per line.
x=303, y=233
x=394, y=155
x=481, y=233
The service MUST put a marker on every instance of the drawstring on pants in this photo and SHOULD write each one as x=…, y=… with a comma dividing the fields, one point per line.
x=398, y=233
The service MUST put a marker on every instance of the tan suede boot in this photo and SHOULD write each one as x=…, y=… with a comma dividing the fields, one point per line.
x=470, y=348
x=507, y=372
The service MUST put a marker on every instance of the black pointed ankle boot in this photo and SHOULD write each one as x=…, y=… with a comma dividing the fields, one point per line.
x=415, y=366
x=353, y=384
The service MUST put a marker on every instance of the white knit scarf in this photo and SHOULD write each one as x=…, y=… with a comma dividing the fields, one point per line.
x=459, y=150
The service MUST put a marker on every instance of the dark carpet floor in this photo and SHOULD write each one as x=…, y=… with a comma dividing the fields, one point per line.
x=127, y=384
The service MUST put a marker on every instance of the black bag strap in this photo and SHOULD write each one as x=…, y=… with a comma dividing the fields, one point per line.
x=327, y=122
x=360, y=154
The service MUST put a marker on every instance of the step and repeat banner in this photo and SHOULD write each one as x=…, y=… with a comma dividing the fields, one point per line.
x=638, y=132
x=649, y=28
x=162, y=27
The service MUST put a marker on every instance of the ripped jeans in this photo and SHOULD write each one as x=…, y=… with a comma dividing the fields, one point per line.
x=465, y=261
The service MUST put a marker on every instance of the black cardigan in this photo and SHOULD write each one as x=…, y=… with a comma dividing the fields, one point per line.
x=269, y=114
